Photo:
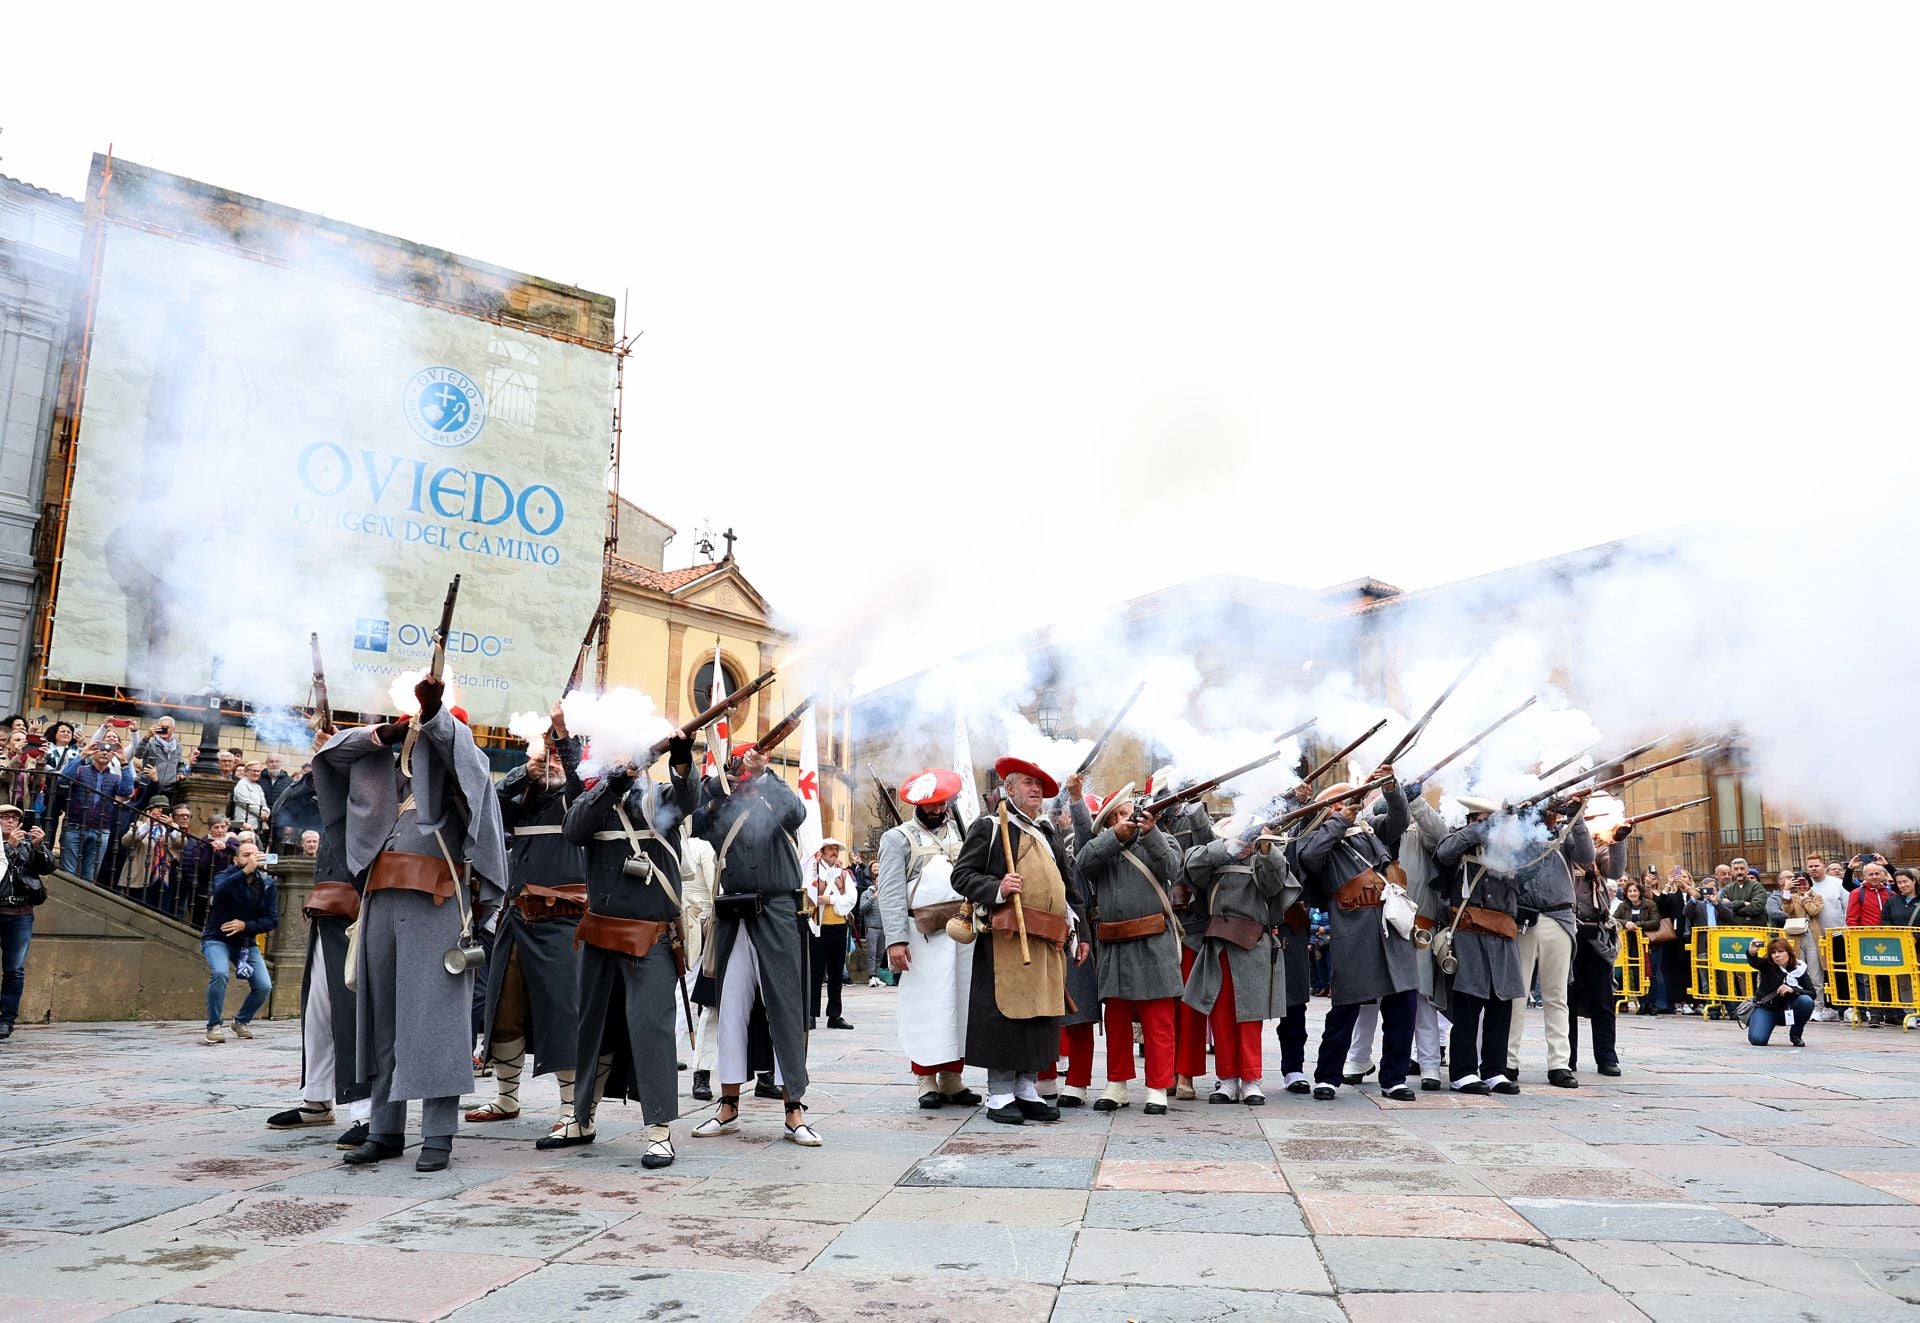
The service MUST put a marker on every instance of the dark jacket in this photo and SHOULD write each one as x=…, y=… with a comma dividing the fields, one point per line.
x=656, y=812
x=26, y=865
x=1769, y=980
x=541, y=856
x=1900, y=912
x=90, y=799
x=1747, y=900
x=235, y=896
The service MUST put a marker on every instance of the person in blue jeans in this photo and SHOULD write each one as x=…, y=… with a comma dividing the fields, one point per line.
x=96, y=789
x=245, y=903
x=25, y=862
x=1780, y=989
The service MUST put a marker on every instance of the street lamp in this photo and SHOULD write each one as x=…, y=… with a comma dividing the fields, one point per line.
x=1048, y=716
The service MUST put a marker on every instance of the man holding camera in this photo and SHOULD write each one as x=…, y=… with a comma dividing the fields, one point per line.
x=418, y=818
x=245, y=904
x=533, y=972
x=26, y=861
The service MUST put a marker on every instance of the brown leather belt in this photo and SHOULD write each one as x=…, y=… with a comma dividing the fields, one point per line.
x=1041, y=925
x=333, y=898
x=1423, y=923
x=1491, y=922
x=1362, y=891
x=631, y=937
x=538, y=903
x=931, y=919
x=395, y=871
x=1131, y=930
x=1243, y=933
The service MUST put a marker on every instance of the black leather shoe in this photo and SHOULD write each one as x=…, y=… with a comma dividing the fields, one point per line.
x=1428, y=1084
x=703, y=1086
x=1067, y=1100
x=563, y=1140
x=1477, y=1087
x=1355, y=1079
x=434, y=1159
x=1563, y=1079
x=963, y=1098
x=837, y=1023
x=371, y=1152
x=1611, y=1068
x=1036, y=1111
x=1154, y=1109
x=764, y=1087
x=1513, y=1071
x=1006, y=1115
x=6, y=1028
x=1399, y=1093
x=1505, y=1087
x=932, y=1099
x=354, y=1135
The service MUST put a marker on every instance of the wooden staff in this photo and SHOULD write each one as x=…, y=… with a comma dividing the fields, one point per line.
x=1019, y=913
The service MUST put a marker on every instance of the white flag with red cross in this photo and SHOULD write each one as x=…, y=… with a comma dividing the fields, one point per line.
x=809, y=836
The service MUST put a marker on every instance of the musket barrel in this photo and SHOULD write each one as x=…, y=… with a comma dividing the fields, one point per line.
x=1319, y=771
x=1093, y=754
x=1440, y=766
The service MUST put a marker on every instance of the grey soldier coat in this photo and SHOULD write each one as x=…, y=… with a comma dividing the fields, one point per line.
x=1143, y=970
x=1369, y=962
x=411, y=1014
x=1255, y=888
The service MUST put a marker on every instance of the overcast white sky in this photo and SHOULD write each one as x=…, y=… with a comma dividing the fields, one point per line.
x=1302, y=292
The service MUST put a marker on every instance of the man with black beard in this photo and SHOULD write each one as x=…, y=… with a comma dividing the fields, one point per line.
x=917, y=901
x=533, y=971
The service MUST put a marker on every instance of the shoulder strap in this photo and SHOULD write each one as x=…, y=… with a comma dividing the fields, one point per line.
x=459, y=888
x=640, y=852
x=1160, y=892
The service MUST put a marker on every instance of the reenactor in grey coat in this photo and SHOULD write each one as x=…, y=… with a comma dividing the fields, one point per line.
x=1239, y=979
x=1480, y=938
x=421, y=825
x=755, y=970
x=1189, y=826
x=1425, y=887
x=533, y=974
x=1127, y=864
x=1344, y=863
x=632, y=946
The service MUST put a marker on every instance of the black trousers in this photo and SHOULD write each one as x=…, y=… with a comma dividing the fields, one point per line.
x=1396, y=1040
x=1604, y=1052
x=1292, y=1032
x=1479, y=1041
x=829, y=966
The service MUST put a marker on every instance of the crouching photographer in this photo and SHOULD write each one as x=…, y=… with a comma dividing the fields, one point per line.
x=26, y=861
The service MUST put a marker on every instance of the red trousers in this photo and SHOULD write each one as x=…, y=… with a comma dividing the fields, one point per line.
x=1076, y=1045
x=944, y=1068
x=1156, y=1030
x=1189, y=1030
x=1236, y=1047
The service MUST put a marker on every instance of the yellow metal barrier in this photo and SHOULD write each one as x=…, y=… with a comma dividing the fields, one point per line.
x=1721, y=975
x=1875, y=969
x=1631, y=966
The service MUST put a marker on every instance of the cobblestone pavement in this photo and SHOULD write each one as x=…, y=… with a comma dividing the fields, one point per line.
x=1712, y=1181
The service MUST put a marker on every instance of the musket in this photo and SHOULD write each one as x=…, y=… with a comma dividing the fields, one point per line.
x=1651, y=768
x=1440, y=766
x=1321, y=805
x=1199, y=788
x=1546, y=772
x=1334, y=761
x=1300, y=729
x=579, y=670
x=1651, y=814
x=774, y=738
x=1093, y=754
x=1405, y=742
x=712, y=714
x=439, y=665
x=322, y=705
x=1542, y=796
x=886, y=797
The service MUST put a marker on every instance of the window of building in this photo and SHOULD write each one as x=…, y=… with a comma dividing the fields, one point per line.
x=703, y=683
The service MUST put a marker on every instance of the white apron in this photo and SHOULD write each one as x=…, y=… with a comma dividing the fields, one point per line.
x=932, y=1001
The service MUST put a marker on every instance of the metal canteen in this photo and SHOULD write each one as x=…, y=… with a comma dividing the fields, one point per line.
x=460, y=959
x=637, y=866
x=1443, y=954
x=1423, y=938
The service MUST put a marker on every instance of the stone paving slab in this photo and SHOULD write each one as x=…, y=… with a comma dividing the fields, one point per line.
x=1166, y=1304
x=920, y=1249
x=86, y=1206
x=1636, y=1219
x=1206, y=1259
x=450, y=1226
x=1246, y=1214
x=380, y=1282
x=829, y=1297
x=569, y=1292
x=1450, y=1217
x=1370, y=1263
x=1355, y=1178
x=1228, y=1177
x=780, y=1199
x=124, y=1268
x=719, y=1242
x=1012, y=1173
x=995, y=1207
x=1488, y=1307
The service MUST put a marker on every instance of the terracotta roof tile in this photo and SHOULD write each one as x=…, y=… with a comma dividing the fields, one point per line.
x=664, y=581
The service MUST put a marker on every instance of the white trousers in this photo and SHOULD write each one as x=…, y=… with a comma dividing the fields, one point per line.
x=1549, y=947
x=1430, y=1030
x=316, y=1031
x=707, y=1055
x=737, y=990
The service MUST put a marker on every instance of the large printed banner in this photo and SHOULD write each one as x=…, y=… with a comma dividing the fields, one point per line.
x=268, y=451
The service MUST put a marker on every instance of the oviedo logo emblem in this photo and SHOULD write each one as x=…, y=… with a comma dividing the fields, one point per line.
x=444, y=406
